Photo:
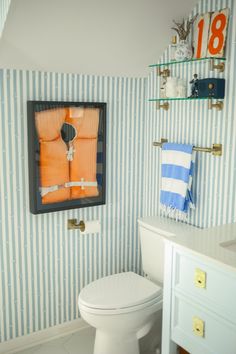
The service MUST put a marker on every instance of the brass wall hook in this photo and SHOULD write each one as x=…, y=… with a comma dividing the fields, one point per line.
x=73, y=225
x=164, y=72
x=218, y=105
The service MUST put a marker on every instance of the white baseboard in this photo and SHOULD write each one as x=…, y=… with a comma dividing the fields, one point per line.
x=43, y=336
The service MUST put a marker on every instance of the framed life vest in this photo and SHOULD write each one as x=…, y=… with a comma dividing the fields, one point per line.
x=67, y=155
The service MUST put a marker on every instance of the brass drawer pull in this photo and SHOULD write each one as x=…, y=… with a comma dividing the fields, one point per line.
x=198, y=326
x=200, y=278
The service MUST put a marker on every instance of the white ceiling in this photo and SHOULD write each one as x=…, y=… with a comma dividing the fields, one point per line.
x=104, y=37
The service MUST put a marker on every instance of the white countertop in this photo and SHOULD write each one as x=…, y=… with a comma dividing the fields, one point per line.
x=205, y=242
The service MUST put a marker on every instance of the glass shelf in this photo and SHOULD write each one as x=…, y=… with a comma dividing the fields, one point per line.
x=179, y=99
x=173, y=62
x=164, y=102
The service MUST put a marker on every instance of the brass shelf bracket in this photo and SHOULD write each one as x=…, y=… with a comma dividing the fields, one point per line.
x=164, y=72
x=215, y=150
x=73, y=225
x=165, y=105
x=219, y=105
x=220, y=66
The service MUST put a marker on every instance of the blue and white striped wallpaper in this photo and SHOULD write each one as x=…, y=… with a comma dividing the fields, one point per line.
x=4, y=8
x=192, y=122
x=44, y=266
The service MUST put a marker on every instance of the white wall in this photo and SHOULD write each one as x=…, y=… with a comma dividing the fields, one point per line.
x=104, y=37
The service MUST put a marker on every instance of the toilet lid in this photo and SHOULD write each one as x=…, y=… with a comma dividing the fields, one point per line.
x=119, y=291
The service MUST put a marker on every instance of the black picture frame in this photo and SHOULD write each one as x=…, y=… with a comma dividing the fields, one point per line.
x=35, y=151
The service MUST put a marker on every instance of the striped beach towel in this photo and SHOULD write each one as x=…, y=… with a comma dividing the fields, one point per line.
x=176, y=183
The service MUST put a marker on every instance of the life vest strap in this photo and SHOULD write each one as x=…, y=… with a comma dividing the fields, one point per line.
x=46, y=190
x=70, y=153
x=82, y=184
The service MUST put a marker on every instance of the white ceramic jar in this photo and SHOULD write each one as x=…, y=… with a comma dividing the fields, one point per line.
x=171, y=87
x=163, y=87
x=182, y=88
x=183, y=51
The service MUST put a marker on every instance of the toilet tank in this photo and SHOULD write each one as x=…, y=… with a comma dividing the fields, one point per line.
x=152, y=236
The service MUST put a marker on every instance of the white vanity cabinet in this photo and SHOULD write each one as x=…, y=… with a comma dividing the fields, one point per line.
x=199, y=305
x=199, y=293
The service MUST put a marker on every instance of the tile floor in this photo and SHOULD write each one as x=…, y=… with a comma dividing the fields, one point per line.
x=77, y=343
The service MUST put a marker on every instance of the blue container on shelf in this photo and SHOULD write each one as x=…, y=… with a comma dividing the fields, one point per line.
x=211, y=87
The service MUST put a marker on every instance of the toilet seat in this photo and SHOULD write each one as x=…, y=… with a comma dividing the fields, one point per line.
x=119, y=293
x=155, y=302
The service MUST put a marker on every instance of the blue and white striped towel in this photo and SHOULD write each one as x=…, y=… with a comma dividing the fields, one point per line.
x=176, y=184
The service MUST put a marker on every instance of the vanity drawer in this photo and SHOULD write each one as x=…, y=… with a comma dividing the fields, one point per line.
x=199, y=330
x=209, y=284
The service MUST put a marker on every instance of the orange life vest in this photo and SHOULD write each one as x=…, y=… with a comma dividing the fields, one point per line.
x=67, y=172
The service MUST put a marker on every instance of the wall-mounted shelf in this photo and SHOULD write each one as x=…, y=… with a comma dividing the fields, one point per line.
x=163, y=70
x=178, y=99
x=215, y=64
x=165, y=105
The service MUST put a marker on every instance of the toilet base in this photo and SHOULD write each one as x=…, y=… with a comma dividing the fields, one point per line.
x=107, y=343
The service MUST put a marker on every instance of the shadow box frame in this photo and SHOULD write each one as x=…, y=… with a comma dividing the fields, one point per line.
x=35, y=198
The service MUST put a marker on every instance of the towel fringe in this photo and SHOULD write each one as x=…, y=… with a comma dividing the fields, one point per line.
x=173, y=213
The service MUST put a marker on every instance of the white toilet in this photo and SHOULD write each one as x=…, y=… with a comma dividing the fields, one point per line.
x=123, y=307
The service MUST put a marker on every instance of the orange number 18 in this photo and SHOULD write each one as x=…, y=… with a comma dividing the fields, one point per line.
x=210, y=33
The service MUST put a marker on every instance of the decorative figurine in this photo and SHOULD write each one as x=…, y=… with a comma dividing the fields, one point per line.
x=183, y=29
x=194, y=86
x=183, y=48
x=171, y=87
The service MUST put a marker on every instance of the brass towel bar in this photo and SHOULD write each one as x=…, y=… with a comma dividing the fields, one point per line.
x=215, y=150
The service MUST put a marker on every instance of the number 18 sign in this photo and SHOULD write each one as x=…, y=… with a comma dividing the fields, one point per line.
x=209, y=34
